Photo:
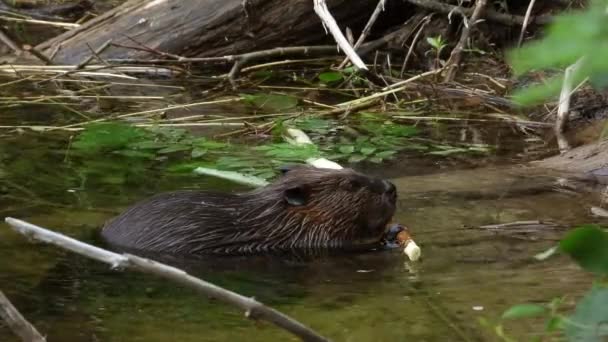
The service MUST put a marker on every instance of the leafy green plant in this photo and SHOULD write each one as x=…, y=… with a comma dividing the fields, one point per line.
x=271, y=102
x=331, y=77
x=570, y=37
x=588, y=246
x=438, y=44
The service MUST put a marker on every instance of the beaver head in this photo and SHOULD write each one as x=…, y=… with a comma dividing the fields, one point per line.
x=306, y=208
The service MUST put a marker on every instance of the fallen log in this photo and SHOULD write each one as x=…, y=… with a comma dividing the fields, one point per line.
x=143, y=29
x=588, y=161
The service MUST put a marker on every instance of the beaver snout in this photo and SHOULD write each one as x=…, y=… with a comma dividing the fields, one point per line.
x=389, y=187
x=389, y=191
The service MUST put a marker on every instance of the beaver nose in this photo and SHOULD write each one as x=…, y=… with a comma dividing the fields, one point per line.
x=389, y=187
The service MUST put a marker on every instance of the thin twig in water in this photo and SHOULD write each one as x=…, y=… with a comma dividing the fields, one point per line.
x=17, y=323
x=253, y=309
x=9, y=42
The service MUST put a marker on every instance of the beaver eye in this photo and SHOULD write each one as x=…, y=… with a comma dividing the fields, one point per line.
x=285, y=168
x=355, y=184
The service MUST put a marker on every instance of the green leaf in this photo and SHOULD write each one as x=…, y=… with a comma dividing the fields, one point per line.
x=524, y=311
x=385, y=154
x=147, y=145
x=288, y=152
x=170, y=133
x=316, y=125
x=209, y=144
x=402, y=130
x=367, y=150
x=330, y=77
x=376, y=160
x=272, y=102
x=355, y=158
x=436, y=42
x=198, y=152
x=588, y=246
x=537, y=93
x=349, y=70
x=554, y=323
x=174, y=148
x=588, y=323
x=346, y=149
x=136, y=154
x=107, y=136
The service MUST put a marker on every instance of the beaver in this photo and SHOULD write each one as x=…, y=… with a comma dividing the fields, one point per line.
x=305, y=208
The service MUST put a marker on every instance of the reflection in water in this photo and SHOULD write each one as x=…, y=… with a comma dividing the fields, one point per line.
x=465, y=273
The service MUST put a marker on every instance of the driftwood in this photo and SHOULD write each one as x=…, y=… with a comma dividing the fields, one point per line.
x=588, y=161
x=141, y=29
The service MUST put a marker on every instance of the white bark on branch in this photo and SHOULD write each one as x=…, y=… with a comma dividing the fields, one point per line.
x=330, y=24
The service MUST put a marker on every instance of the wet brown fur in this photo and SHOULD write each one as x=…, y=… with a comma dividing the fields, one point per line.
x=305, y=209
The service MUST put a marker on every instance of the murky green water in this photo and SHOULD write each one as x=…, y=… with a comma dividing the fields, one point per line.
x=465, y=273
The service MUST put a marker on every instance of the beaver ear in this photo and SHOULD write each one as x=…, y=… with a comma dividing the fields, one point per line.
x=296, y=196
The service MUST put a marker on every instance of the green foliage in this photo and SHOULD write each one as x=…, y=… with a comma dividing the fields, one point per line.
x=436, y=43
x=314, y=125
x=383, y=140
x=588, y=246
x=588, y=323
x=271, y=102
x=369, y=138
x=524, y=311
x=330, y=77
x=374, y=149
x=568, y=38
x=99, y=137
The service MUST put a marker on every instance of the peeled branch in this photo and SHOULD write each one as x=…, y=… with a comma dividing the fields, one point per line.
x=410, y=248
x=399, y=236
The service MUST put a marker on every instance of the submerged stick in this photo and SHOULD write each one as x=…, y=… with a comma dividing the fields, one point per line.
x=253, y=309
x=17, y=323
x=233, y=176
